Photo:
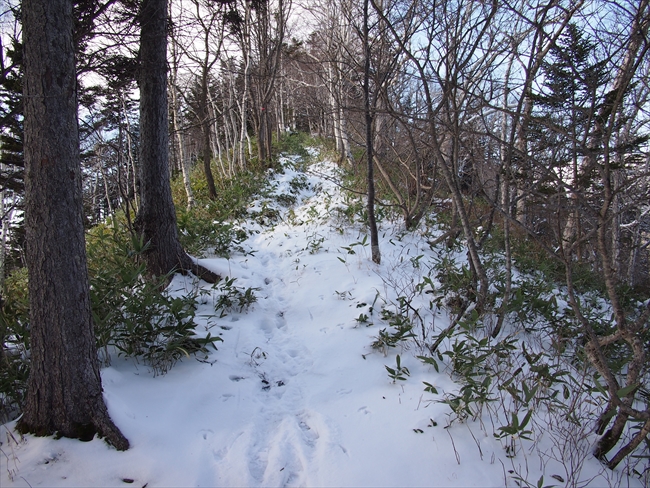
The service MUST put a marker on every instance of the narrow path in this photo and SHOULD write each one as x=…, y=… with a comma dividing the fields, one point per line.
x=313, y=391
x=285, y=435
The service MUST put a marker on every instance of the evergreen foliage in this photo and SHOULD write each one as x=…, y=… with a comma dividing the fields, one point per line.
x=11, y=118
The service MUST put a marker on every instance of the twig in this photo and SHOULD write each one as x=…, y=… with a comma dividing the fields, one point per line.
x=454, y=446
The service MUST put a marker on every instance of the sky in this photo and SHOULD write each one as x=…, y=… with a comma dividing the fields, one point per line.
x=296, y=395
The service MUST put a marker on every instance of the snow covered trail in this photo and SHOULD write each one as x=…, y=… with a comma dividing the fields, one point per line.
x=308, y=375
x=295, y=395
x=293, y=365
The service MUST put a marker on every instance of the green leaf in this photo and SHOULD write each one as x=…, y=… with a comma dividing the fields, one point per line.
x=599, y=387
x=526, y=419
x=623, y=392
x=430, y=388
x=515, y=421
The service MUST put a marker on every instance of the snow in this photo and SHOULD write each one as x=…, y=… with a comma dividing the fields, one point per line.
x=295, y=395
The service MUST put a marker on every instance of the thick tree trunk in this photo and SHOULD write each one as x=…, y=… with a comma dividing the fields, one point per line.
x=156, y=219
x=64, y=391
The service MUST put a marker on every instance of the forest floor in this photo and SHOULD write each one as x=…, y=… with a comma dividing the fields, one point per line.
x=296, y=395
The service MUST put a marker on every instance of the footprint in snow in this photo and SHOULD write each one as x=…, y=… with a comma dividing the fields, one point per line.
x=266, y=327
x=280, y=321
x=279, y=457
x=309, y=434
x=206, y=433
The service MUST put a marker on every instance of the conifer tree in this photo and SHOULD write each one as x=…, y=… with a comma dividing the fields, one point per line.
x=64, y=394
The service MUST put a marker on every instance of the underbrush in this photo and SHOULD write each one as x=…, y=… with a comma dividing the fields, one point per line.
x=134, y=315
x=207, y=227
x=296, y=144
x=534, y=380
x=529, y=384
x=14, y=344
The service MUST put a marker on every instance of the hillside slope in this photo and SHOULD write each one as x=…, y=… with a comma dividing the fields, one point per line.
x=296, y=395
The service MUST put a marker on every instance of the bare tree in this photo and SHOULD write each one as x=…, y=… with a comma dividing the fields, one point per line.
x=369, y=112
x=175, y=108
x=536, y=33
x=450, y=46
x=629, y=328
x=205, y=23
x=268, y=32
x=585, y=197
x=327, y=70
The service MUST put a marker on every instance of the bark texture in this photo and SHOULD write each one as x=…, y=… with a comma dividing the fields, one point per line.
x=156, y=219
x=64, y=390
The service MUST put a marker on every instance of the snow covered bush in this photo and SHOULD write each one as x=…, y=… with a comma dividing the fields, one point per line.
x=133, y=315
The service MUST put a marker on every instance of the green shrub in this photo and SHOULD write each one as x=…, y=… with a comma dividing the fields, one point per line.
x=399, y=332
x=208, y=225
x=199, y=233
x=14, y=344
x=230, y=297
x=531, y=258
x=135, y=315
x=294, y=143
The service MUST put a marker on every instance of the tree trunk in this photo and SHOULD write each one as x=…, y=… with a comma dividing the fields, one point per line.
x=204, y=116
x=372, y=224
x=156, y=219
x=243, y=107
x=131, y=171
x=207, y=155
x=263, y=136
x=506, y=160
x=177, y=130
x=64, y=390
